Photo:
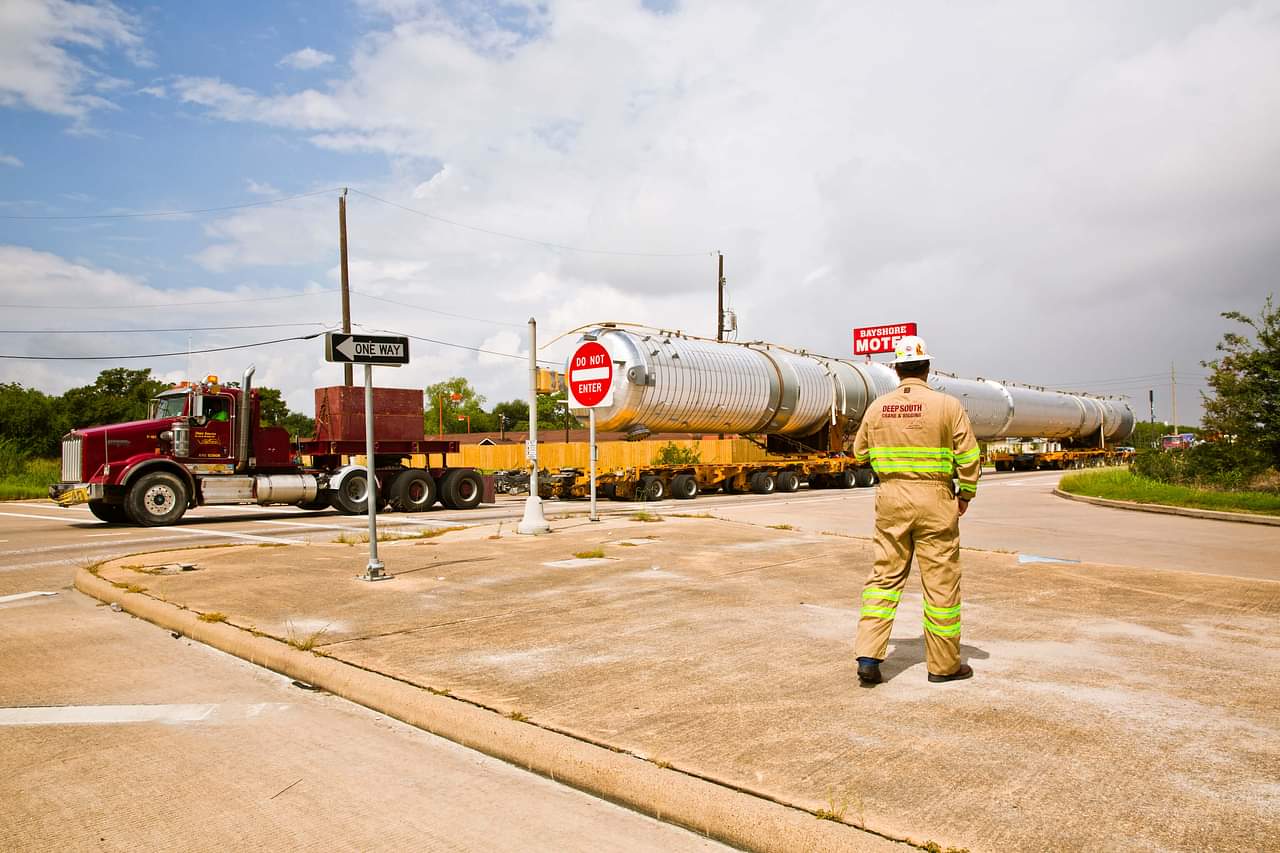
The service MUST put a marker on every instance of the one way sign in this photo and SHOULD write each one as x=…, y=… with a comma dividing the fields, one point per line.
x=366, y=349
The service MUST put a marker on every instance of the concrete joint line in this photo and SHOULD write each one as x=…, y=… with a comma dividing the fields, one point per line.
x=1189, y=512
x=724, y=813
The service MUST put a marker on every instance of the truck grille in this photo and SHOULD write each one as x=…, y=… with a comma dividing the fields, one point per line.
x=71, y=466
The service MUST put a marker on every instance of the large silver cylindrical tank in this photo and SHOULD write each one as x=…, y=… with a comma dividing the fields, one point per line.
x=665, y=382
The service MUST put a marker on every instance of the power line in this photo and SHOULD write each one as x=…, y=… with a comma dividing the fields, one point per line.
x=156, y=214
x=456, y=346
x=150, y=331
x=159, y=354
x=545, y=243
x=436, y=310
x=171, y=304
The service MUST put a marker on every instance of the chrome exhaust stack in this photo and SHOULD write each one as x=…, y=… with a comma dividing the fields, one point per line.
x=242, y=448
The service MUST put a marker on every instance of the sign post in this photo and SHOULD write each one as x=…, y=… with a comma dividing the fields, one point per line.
x=874, y=340
x=368, y=350
x=590, y=385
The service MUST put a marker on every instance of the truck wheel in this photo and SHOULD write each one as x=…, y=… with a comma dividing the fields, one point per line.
x=461, y=489
x=110, y=513
x=684, y=487
x=762, y=483
x=351, y=498
x=156, y=499
x=787, y=481
x=863, y=477
x=819, y=481
x=845, y=479
x=651, y=489
x=413, y=491
x=320, y=501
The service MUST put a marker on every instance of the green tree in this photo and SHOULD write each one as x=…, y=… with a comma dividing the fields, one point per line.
x=468, y=403
x=275, y=412
x=1244, y=403
x=30, y=420
x=673, y=454
x=117, y=395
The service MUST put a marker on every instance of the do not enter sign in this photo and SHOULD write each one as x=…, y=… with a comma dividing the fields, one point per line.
x=590, y=376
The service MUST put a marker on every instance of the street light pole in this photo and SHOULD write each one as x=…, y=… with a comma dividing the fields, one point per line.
x=534, y=521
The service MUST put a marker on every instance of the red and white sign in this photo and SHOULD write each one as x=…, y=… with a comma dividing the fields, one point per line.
x=880, y=339
x=590, y=377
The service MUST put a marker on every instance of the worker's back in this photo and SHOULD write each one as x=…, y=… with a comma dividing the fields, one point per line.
x=916, y=433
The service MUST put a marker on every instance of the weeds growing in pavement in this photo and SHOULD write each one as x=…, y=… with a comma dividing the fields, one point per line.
x=593, y=554
x=645, y=516
x=303, y=642
x=518, y=717
x=213, y=616
x=781, y=526
x=692, y=515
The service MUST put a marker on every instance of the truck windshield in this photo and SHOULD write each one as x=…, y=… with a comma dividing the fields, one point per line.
x=168, y=406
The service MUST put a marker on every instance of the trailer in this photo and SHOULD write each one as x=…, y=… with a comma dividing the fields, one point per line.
x=203, y=443
x=1052, y=456
x=802, y=408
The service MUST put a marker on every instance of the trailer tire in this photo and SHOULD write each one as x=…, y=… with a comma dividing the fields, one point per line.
x=787, y=481
x=651, y=489
x=684, y=487
x=351, y=498
x=819, y=481
x=844, y=479
x=863, y=477
x=156, y=499
x=461, y=489
x=762, y=483
x=413, y=490
x=110, y=513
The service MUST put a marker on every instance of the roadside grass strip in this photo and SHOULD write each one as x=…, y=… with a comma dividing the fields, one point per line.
x=1122, y=485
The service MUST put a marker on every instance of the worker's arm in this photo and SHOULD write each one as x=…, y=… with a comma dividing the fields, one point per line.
x=862, y=443
x=968, y=464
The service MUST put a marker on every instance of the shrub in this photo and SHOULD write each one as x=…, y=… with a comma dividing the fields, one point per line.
x=673, y=454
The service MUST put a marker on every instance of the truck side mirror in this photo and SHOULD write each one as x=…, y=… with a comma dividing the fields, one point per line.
x=197, y=407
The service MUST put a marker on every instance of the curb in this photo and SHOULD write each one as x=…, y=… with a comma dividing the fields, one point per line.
x=722, y=813
x=1189, y=512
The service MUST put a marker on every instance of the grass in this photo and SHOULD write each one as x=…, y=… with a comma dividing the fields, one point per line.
x=1122, y=485
x=303, y=642
x=128, y=587
x=425, y=533
x=692, y=515
x=645, y=516
x=213, y=616
x=781, y=526
x=518, y=717
x=29, y=478
x=593, y=554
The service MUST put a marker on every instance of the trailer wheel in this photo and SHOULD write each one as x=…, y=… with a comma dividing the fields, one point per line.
x=157, y=499
x=352, y=497
x=413, y=491
x=844, y=479
x=762, y=483
x=461, y=489
x=819, y=481
x=787, y=481
x=863, y=477
x=651, y=489
x=684, y=487
x=110, y=513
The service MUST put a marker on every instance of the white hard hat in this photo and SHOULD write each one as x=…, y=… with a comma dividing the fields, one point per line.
x=910, y=348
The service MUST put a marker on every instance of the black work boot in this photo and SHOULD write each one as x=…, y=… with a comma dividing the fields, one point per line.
x=869, y=672
x=965, y=671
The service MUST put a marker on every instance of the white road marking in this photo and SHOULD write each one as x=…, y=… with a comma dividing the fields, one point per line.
x=98, y=535
x=38, y=517
x=19, y=596
x=71, y=715
x=176, y=531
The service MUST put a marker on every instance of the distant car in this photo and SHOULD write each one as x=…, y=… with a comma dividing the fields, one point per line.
x=1126, y=450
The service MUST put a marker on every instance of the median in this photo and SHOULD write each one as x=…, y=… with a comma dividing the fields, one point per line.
x=1124, y=485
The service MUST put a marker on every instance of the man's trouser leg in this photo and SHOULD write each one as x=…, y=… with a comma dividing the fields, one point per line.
x=937, y=541
x=883, y=590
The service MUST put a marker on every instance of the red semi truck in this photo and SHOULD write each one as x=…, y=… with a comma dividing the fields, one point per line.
x=204, y=444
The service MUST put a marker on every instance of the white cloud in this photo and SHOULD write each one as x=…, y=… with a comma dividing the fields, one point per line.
x=1003, y=176
x=37, y=67
x=10, y=160
x=260, y=188
x=306, y=59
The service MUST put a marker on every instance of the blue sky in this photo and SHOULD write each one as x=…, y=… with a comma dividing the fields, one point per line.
x=1017, y=178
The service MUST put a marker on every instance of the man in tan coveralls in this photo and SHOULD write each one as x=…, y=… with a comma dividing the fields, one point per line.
x=915, y=438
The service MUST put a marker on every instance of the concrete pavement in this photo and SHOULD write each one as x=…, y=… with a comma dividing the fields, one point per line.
x=1114, y=708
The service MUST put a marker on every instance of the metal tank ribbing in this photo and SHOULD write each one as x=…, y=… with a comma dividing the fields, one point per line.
x=667, y=382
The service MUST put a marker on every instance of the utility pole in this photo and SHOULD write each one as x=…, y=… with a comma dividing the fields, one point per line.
x=1173, y=396
x=720, y=299
x=346, y=291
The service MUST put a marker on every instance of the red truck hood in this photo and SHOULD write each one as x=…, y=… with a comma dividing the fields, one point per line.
x=118, y=442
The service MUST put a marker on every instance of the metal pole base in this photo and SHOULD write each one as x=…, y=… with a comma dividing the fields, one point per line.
x=374, y=572
x=534, y=522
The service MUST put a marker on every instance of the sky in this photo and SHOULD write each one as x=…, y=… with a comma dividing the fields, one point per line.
x=1065, y=194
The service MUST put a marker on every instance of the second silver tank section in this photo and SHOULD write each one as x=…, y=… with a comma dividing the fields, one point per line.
x=670, y=383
